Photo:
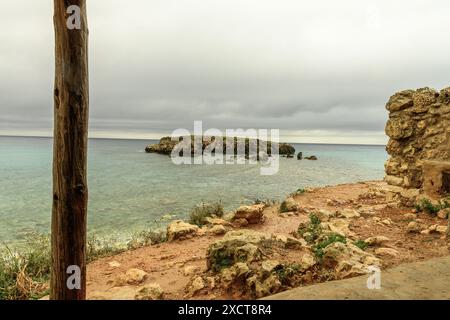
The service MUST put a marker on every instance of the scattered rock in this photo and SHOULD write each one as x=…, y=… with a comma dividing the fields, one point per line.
x=240, y=223
x=114, y=264
x=348, y=260
x=234, y=273
x=410, y=216
x=131, y=277
x=290, y=242
x=438, y=229
x=179, y=230
x=348, y=214
x=253, y=214
x=236, y=246
x=324, y=215
x=339, y=226
x=190, y=270
x=150, y=292
x=286, y=149
x=386, y=222
x=268, y=266
x=135, y=276
x=195, y=286
x=444, y=213
x=307, y=261
x=383, y=252
x=217, y=230
x=413, y=227
x=300, y=156
x=217, y=221
x=266, y=287
x=376, y=241
x=289, y=205
x=311, y=158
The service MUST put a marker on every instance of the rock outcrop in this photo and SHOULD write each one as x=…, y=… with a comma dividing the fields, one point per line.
x=419, y=145
x=348, y=260
x=251, y=214
x=180, y=230
x=166, y=146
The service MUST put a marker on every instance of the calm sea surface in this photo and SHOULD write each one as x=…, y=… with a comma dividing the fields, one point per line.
x=131, y=190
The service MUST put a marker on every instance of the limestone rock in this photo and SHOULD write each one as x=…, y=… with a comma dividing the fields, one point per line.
x=386, y=252
x=217, y=221
x=179, y=230
x=307, y=261
x=150, y=292
x=386, y=222
x=348, y=260
x=438, y=229
x=234, y=273
x=410, y=216
x=376, y=240
x=114, y=264
x=339, y=226
x=253, y=214
x=289, y=242
x=236, y=246
x=413, y=227
x=268, y=266
x=444, y=213
x=135, y=276
x=325, y=215
x=217, y=230
x=348, y=214
x=131, y=277
x=190, y=270
x=195, y=286
x=289, y=205
x=418, y=141
x=269, y=286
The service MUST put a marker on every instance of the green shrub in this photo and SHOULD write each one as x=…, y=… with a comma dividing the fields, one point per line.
x=25, y=271
x=146, y=238
x=425, y=205
x=284, y=273
x=361, y=244
x=311, y=230
x=201, y=212
x=102, y=247
x=283, y=207
x=333, y=238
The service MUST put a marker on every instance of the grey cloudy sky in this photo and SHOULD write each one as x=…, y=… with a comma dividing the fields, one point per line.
x=321, y=71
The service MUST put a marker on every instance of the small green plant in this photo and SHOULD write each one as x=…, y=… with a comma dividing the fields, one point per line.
x=201, y=212
x=146, y=238
x=102, y=247
x=284, y=273
x=361, y=244
x=221, y=259
x=427, y=206
x=284, y=207
x=301, y=191
x=333, y=238
x=311, y=230
x=24, y=272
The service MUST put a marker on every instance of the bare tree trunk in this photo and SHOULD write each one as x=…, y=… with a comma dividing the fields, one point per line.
x=71, y=112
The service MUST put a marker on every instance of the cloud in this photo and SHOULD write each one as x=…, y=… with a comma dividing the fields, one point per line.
x=157, y=65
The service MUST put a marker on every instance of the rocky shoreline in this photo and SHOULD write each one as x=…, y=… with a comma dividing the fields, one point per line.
x=315, y=235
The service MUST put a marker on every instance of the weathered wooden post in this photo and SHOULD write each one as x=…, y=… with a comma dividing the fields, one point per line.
x=70, y=192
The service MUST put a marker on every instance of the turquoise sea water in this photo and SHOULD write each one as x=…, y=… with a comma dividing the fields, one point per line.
x=131, y=190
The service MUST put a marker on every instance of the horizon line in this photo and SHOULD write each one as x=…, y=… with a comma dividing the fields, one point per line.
x=156, y=139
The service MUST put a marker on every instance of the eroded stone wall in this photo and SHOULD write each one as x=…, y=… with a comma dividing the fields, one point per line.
x=419, y=132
